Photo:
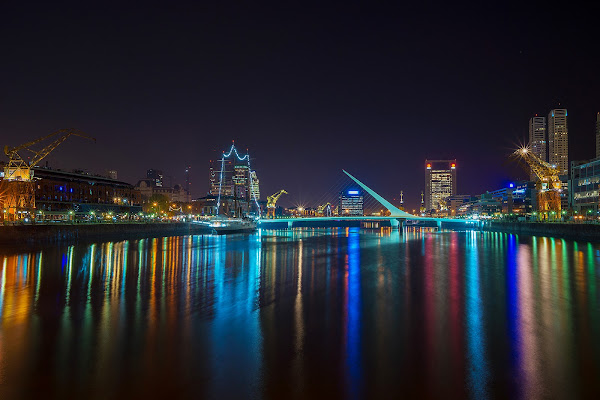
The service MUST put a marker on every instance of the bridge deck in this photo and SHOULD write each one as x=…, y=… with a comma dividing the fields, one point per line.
x=369, y=218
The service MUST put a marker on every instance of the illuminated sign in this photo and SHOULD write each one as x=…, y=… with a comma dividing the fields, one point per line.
x=352, y=191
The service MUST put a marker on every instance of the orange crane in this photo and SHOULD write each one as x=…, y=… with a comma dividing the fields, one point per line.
x=18, y=172
x=548, y=183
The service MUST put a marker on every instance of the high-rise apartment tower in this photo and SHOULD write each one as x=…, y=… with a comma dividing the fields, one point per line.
x=558, y=140
x=537, y=139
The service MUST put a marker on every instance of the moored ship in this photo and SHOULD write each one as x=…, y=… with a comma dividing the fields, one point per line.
x=223, y=226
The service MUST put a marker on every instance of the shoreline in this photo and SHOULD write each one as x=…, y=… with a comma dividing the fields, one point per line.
x=42, y=234
x=578, y=232
x=30, y=235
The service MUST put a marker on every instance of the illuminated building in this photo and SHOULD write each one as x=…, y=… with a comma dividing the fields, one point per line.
x=213, y=179
x=440, y=182
x=59, y=192
x=455, y=201
x=584, y=185
x=177, y=193
x=153, y=185
x=156, y=176
x=517, y=198
x=254, y=186
x=225, y=187
x=229, y=206
x=351, y=203
x=241, y=181
x=537, y=139
x=558, y=140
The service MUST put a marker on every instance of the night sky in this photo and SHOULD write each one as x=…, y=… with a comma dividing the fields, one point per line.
x=308, y=90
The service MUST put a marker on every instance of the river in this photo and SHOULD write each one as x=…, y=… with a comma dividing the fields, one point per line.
x=336, y=313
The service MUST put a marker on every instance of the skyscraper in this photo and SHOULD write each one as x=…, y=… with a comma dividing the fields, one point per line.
x=226, y=186
x=351, y=203
x=440, y=182
x=156, y=176
x=241, y=181
x=598, y=135
x=558, y=140
x=537, y=137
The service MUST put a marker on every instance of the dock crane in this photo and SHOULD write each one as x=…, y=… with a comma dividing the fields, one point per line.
x=325, y=210
x=18, y=172
x=548, y=183
x=272, y=200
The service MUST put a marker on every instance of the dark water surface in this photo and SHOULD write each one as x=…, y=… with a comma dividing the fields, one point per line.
x=314, y=313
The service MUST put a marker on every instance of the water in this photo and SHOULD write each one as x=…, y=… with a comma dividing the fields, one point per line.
x=314, y=313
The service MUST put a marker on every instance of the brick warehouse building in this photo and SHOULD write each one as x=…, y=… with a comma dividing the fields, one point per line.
x=58, y=192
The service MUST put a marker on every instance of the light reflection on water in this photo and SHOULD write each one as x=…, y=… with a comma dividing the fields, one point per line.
x=343, y=313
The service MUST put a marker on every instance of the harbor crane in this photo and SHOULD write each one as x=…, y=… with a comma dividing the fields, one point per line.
x=548, y=183
x=325, y=210
x=18, y=172
x=272, y=200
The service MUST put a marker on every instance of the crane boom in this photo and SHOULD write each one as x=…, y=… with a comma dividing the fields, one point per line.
x=548, y=185
x=271, y=200
x=547, y=174
x=39, y=155
x=18, y=173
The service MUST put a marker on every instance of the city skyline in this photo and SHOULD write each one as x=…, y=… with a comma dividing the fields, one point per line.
x=287, y=200
x=369, y=90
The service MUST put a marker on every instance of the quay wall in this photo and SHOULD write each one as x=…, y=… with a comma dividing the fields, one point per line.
x=48, y=234
x=588, y=232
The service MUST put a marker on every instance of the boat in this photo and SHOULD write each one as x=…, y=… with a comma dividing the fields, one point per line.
x=224, y=226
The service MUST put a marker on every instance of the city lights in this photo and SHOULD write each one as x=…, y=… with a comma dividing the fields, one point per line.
x=350, y=258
